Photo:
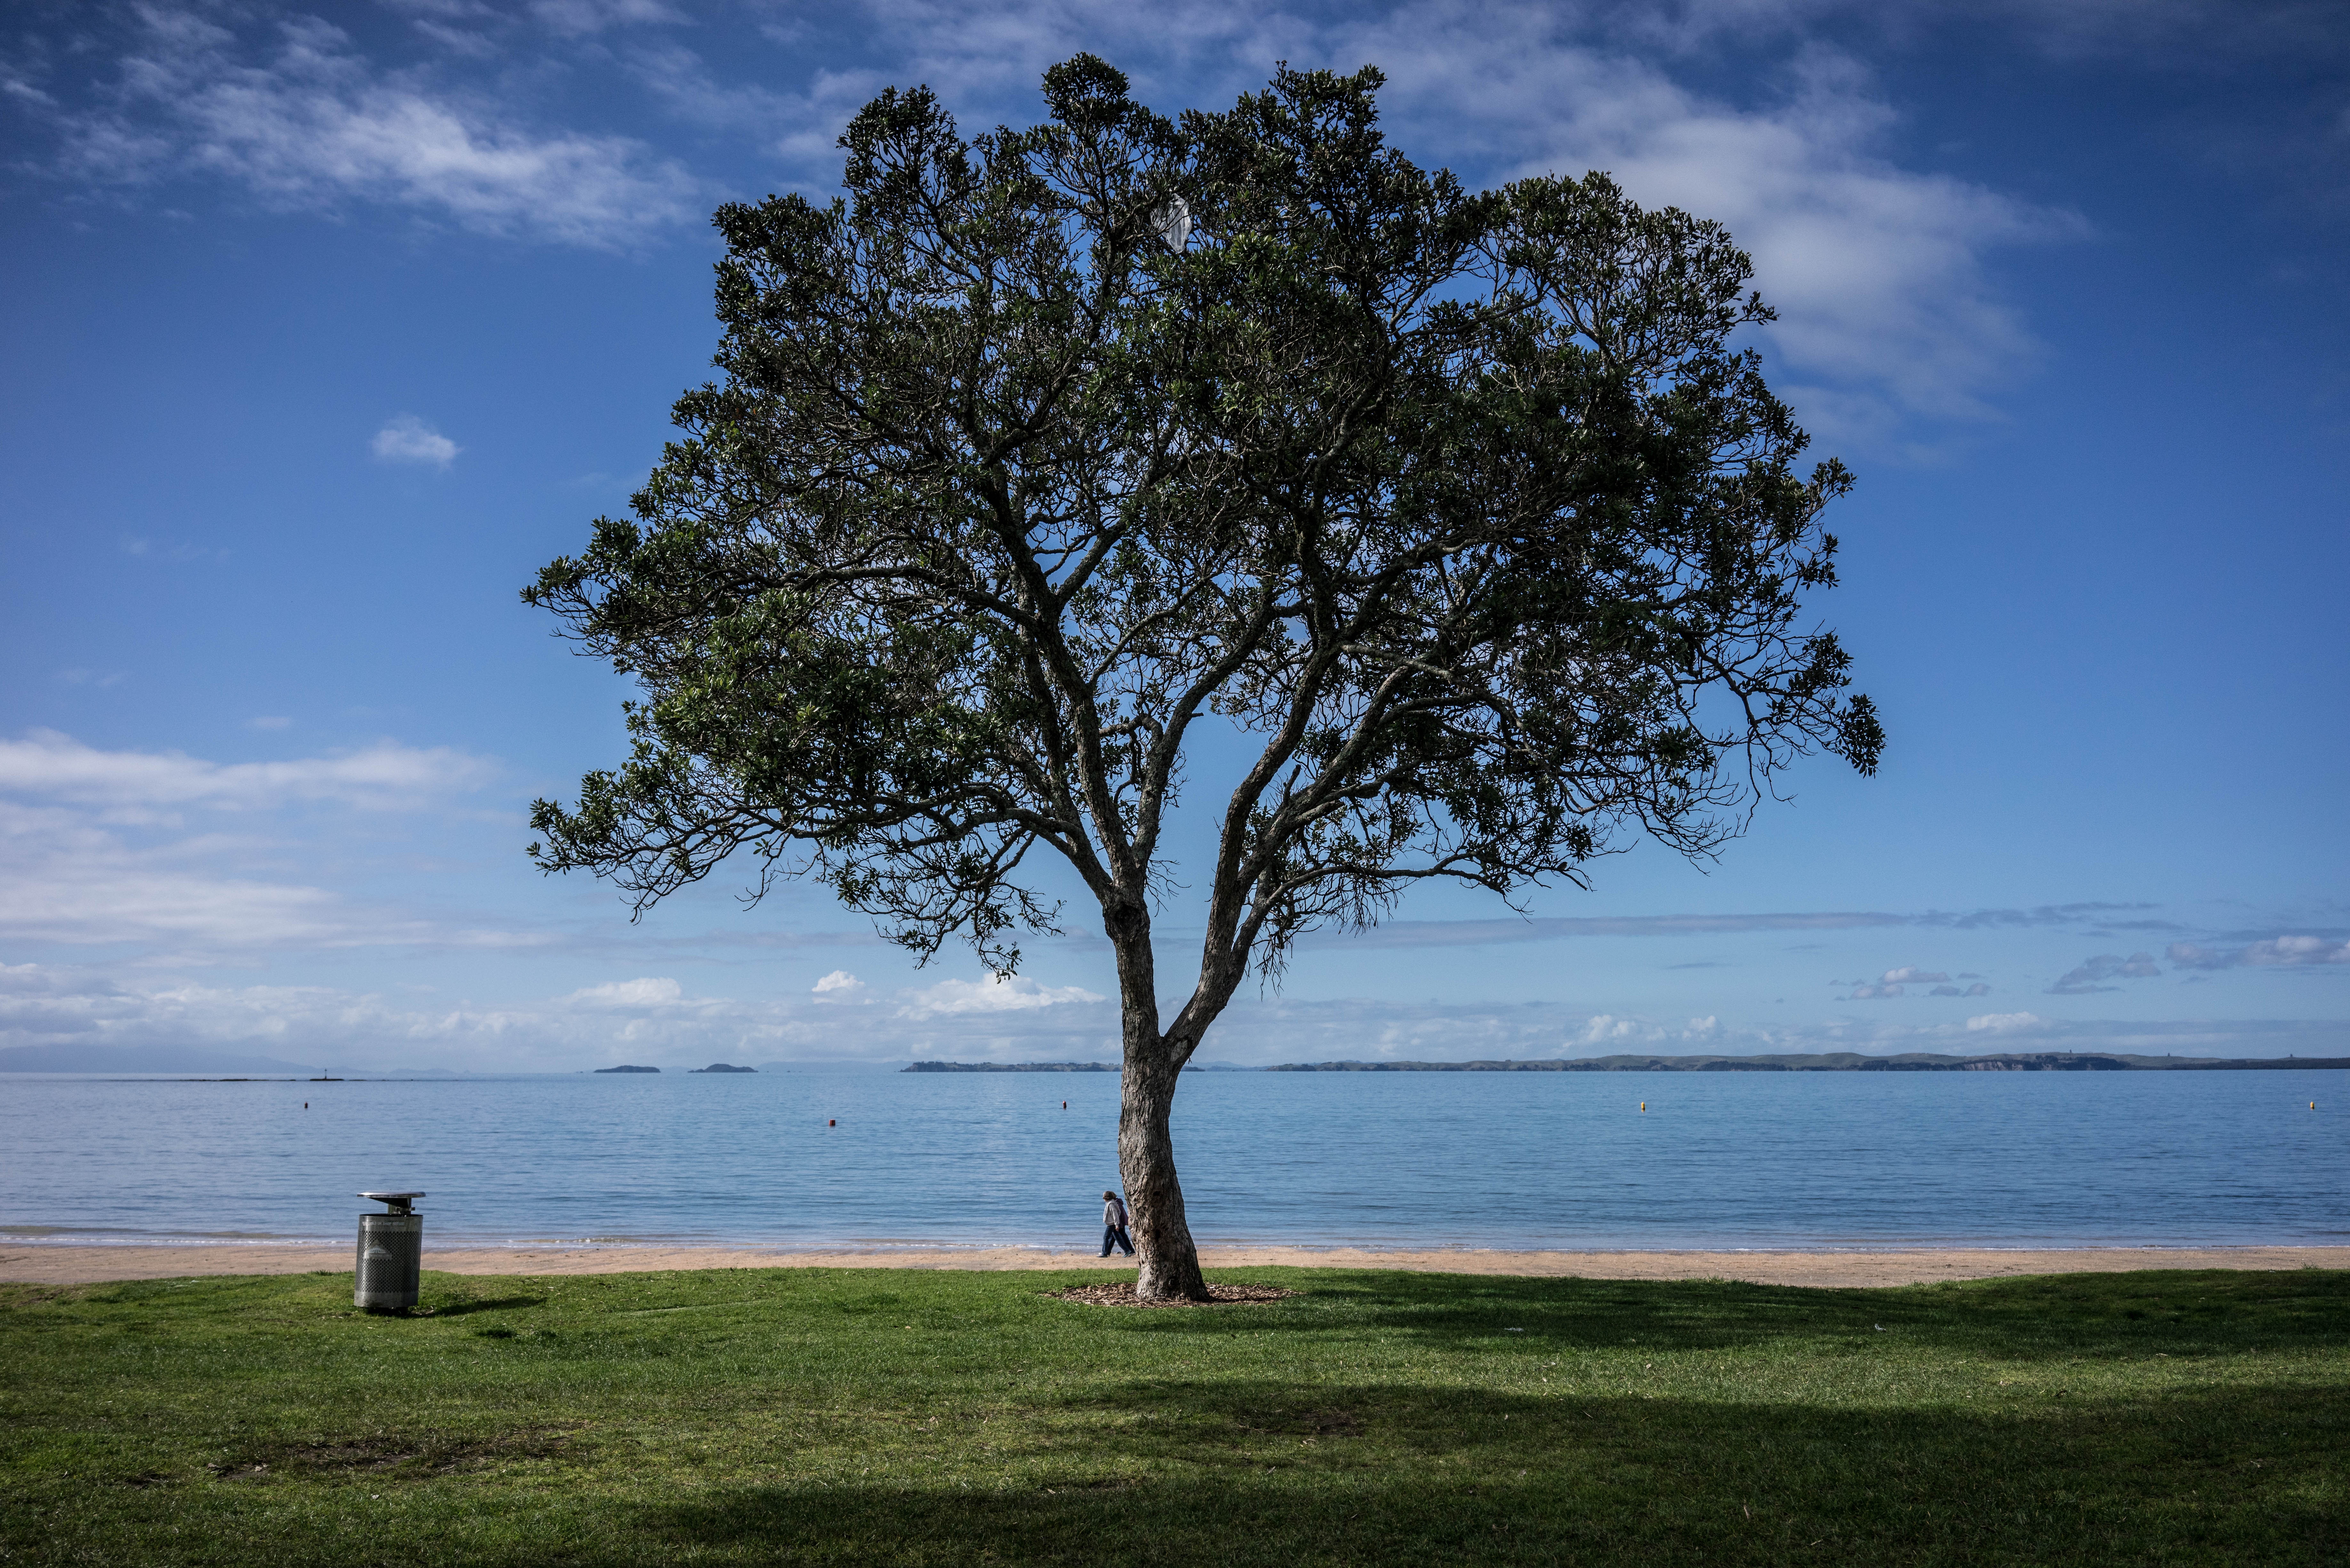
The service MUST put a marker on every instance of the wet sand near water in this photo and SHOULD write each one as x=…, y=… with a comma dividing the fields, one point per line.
x=89, y=1266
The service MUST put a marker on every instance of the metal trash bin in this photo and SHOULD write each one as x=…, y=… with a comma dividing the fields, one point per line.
x=391, y=1254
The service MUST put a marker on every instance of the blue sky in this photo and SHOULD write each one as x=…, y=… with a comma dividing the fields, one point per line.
x=325, y=327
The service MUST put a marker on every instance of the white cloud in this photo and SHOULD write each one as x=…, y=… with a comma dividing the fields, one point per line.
x=313, y=125
x=1015, y=994
x=1606, y=1029
x=1877, y=271
x=838, y=986
x=1910, y=974
x=46, y=766
x=406, y=439
x=1874, y=992
x=2004, y=1023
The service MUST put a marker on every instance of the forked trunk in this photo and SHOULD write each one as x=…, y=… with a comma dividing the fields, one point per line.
x=1167, y=1264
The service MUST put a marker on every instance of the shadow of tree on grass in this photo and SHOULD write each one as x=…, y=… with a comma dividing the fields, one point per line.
x=2173, y=1313
x=1260, y=1474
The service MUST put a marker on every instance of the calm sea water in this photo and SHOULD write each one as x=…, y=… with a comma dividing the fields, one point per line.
x=1387, y=1160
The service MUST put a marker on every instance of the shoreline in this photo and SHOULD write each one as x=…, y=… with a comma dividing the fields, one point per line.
x=59, y=1264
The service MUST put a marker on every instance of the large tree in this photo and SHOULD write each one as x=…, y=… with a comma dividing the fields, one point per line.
x=1041, y=453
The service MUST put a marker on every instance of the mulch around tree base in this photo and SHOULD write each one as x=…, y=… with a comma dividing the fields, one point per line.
x=1121, y=1293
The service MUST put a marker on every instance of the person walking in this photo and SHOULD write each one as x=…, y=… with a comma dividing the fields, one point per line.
x=1114, y=1225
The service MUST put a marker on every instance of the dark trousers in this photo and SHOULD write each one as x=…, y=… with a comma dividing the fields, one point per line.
x=1115, y=1236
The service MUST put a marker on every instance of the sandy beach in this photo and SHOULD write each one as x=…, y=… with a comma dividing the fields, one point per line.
x=83, y=1265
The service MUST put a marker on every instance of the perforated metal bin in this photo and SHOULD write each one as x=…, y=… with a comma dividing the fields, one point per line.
x=391, y=1254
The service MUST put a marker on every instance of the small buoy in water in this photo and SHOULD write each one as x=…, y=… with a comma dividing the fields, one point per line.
x=1644, y=1104
x=1065, y=1106
x=2313, y=1104
x=832, y=1122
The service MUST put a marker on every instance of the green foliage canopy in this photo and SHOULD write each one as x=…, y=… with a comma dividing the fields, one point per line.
x=1040, y=450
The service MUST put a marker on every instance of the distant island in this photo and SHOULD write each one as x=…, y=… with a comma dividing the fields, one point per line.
x=713, y=1067
x=1833, y=1062
x=627, y=1069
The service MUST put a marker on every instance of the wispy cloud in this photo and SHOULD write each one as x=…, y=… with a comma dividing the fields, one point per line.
x=2092, y=973
x=2274, y=953
x=48, y=766
x=1482, y=933
x=465, y=27
x=1896, y=982
x=97, y=846
x=2205, y=34
x=405, y=438
x=580, y=16
x=302, y=120
x=630, y=993
x=1015, y=994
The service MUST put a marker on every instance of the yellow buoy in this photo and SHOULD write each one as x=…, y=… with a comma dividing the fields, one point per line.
x=1644, y=1104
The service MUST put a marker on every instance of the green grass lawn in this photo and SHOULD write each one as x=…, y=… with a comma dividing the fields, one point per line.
x=898, y=1416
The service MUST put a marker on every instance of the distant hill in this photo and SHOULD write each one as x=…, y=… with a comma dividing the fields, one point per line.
x=627, y=1069
x=1834, y=1062
x=144, y=1059
x=720, y=1067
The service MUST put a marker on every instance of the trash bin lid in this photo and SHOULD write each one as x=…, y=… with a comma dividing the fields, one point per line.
x=399, y=1201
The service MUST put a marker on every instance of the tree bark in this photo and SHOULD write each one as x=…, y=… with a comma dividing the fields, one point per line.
x=1167, y=1263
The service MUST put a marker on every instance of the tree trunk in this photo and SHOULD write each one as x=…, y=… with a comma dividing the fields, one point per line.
x=1167, y=1264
